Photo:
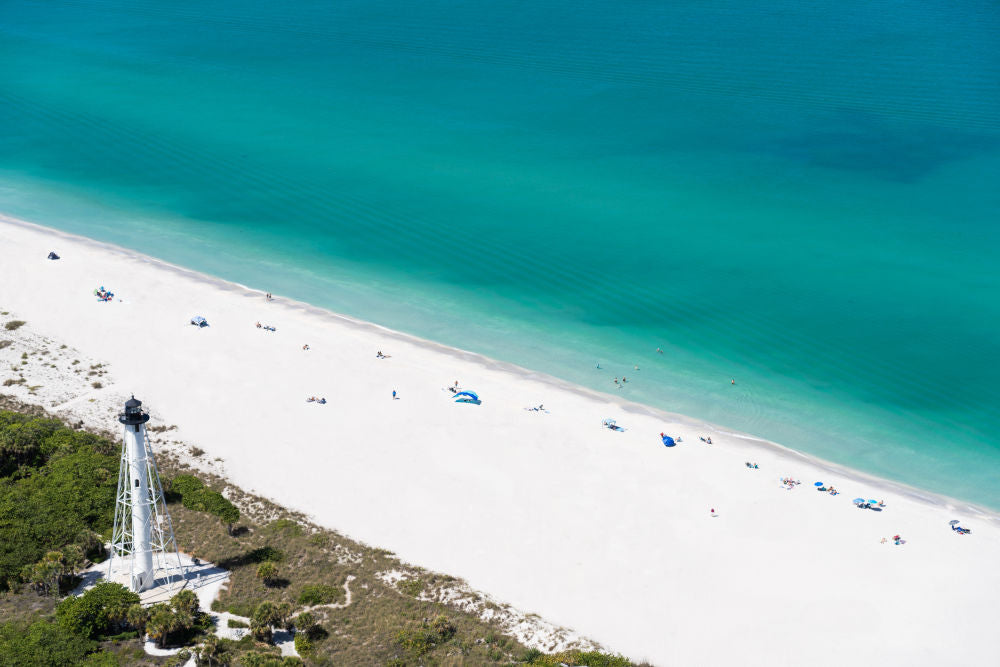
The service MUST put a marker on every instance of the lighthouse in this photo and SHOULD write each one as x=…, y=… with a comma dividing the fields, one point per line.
x=143, y=536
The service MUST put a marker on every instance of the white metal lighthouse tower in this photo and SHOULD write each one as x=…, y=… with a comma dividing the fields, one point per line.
x=143, y=537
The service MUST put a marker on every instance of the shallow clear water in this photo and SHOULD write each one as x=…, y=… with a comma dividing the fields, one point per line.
x=801, y=198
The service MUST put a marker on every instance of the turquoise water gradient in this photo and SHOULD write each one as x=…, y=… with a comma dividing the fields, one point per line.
x=801, y=196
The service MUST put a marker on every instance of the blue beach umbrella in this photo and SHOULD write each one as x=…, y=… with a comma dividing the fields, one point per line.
x=858, y=501
x=873, y=502
x=817, y=483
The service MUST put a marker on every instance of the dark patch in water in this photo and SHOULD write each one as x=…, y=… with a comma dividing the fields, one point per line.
x=903, y=152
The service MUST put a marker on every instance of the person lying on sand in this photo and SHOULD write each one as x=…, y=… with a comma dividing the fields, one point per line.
x=258, y=325
x=305, y=347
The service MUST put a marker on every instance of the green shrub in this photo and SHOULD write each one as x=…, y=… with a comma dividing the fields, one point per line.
x=42, y=643
x=412, y=587
x=531, y=655
x=14, y=324
x=266, y=553
x=234, y=623
x=101, y=611
x=582, y=658
x=286, y=526
x=313, y=594
x=425, y=638
x=444, y=628
x=196, y=496
x=303, y=644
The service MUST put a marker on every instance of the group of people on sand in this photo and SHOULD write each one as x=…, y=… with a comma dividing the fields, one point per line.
x=379, y=355
x=103, y=294
x=790, y=483
x=871, y=506
x=267, y=327
x=315, y=399
x=707, y=440
x=749, y=465
x=828, y=489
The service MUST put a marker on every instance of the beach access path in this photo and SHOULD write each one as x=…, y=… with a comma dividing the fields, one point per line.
x=609, y=533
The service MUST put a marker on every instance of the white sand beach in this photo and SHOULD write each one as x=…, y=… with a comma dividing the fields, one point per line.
x=608, y=533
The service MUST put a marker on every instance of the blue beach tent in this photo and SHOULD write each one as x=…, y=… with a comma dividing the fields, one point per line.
x=199, y=321
x=667, y=440
x=467, y=397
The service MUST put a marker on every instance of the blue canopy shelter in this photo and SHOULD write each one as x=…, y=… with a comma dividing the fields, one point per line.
x=467, y=397
x=667, y=440
x=199, y=321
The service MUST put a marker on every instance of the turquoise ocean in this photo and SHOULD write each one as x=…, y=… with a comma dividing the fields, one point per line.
x=801, y=196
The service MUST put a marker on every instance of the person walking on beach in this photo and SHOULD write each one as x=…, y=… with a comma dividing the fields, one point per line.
x=394, y=394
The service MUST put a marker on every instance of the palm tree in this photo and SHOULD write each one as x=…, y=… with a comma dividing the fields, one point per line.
x=305, y=622
x=162, y=621
x=185, y=601
x=56, y=568
x=208, y=651
x=264, y=616
x=137, y=617
x=229, y=516
x=73, y=558
x=285, y=615
x=267, y=572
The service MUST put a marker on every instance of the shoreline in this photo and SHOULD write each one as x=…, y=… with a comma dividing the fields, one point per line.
x=752, y=441
x=607, y=533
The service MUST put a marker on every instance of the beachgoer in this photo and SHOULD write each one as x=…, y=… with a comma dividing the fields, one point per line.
x=623, y=379
x=659, y=351
x=636, y=368
x=305, y=347
x=713, y=513
x=734, y=381
x=709, y=440
x=598, y=364
x=394, y=394
x=258, y=325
